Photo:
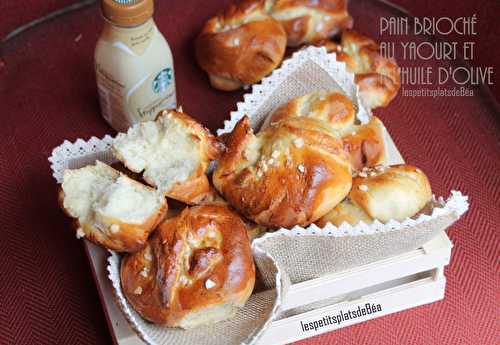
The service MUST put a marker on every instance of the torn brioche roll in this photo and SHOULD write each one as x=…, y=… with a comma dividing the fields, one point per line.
x=172, y=153
x=110, y=208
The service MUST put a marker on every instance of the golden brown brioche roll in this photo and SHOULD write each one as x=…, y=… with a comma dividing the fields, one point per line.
x=109, y=208
x=333, y=107
x=240, y=46
x=196, y=269
x=307, y=21
x=291, y=173
x=378, y=77
x=173, y=152
x=382, y=193
x=365, y=144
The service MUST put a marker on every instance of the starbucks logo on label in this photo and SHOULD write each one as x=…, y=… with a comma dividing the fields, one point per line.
x=162, y=80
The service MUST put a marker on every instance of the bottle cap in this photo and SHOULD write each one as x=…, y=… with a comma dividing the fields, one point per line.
x=127, y=12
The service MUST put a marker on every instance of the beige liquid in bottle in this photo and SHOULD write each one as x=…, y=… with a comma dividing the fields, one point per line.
x=133, y=63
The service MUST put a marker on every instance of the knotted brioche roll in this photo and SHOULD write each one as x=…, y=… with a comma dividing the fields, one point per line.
x=290, y=173
x=332, y=107
x=382, y=193
x=378, y=77
x=173, y=152
x=364, y=143
x=109, y=208
x=307, y=21
x=196, y=269
x=240, y=46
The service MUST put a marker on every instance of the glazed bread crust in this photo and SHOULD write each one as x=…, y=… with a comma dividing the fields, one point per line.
x=378, y=76
x=307, y=21
x=291, y=173
x=332, y=107
x=196, y=269
x=382, y=193
x=240, y=46
x=364, y=143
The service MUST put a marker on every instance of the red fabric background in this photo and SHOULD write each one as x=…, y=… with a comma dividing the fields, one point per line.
x=48, y=94
x=16, y=13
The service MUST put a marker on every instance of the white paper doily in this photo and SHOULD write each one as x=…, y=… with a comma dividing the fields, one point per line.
x=80, y=153
x=318, y=56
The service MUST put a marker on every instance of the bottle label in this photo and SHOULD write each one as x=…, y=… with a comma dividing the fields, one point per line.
x=134, y=41
x=162, y=80
x=141, y=102
x=111, y=94
x=152, y=94
x=135, y=76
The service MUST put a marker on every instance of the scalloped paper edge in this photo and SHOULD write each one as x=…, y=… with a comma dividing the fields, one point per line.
x=456, y=203
x=74, y=150
x=318, y=55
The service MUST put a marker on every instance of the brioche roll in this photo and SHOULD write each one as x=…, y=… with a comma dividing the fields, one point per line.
x=173, y=153
x=109, y=208
x=365, y=144
x=196, y=269
x=240, y=46
x=332, y=107
x=307, y=21
x=291, y=173
x=382, y=193
x=378, y=76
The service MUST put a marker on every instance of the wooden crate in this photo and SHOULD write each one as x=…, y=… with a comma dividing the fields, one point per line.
x=396, y=284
